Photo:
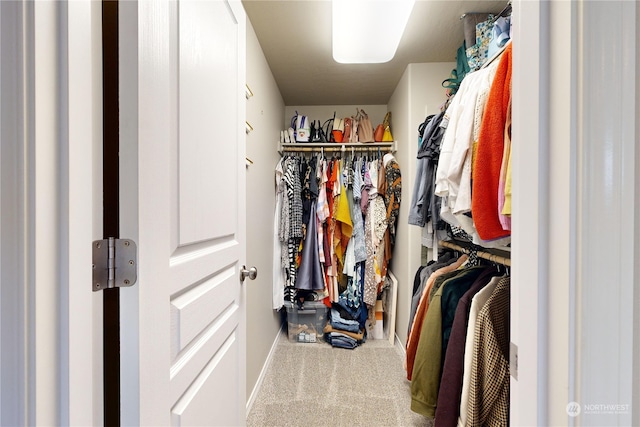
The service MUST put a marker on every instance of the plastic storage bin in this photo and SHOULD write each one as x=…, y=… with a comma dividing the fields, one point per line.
x=306, y=325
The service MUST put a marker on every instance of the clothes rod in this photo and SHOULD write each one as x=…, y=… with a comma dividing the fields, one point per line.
x=481, y=254
x=336, y=146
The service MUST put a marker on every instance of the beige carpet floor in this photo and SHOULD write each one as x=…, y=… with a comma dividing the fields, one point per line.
x=314, y=384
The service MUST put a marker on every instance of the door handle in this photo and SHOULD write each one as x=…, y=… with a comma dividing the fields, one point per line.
x=251, y=273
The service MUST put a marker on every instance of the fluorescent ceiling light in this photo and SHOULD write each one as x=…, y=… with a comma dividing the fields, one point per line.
x=368, y=31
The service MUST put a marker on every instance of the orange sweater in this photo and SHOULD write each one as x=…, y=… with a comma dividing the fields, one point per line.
x=486, y=171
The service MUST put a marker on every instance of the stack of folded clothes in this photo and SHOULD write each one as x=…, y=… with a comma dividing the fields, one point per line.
x=342, y=330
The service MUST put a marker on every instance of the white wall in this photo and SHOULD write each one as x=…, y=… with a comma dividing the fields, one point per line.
x=265, y=113
x=418, y=94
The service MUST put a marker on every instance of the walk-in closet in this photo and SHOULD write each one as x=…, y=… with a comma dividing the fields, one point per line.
x=540, y=265
x=342, y=284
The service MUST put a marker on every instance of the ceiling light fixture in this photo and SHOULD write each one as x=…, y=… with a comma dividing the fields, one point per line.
x=368, y=31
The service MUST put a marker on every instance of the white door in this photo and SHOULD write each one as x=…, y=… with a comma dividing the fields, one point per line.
x=182, y=72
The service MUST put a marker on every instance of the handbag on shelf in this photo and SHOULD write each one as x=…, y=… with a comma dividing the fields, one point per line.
x=457, y=74
x=327, y=128
x=348, y=124
x=477, y=54
x=365, y=129
x=301, y=127
x=316, y=133
x=337, y=132
x=386, y=136
x=354, y=128
x=378, y=133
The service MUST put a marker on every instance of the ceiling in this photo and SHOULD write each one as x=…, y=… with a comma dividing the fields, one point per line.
x=295, y=36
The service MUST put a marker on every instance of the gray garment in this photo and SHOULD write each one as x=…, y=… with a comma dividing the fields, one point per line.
x=416, y=216
x=446, y=259
x=422, y=202
x=432, y=137
x=283, y=231
x=357, y=235
x=310, y=275
x=357, y=180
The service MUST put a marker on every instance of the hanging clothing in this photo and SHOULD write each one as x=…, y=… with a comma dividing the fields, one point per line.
x=450, y=392
x=322, y=213
x=285, y=212
x=505, y=175
x=477, y=302
x=343, y=220
x=457, y=138
x=427, y=160
x=392, y=194
x=366, y=187
x=360, y=249
x=489, y=386
x=454, y=171
x=416, y=329
x=279, y=275
x=330, y=258
x=294, y=189
x=425, y=381
x=332, y=222
x=375, y=226
x=310, y=274
x=486, y=174
x=421, y=277
x=322, y=208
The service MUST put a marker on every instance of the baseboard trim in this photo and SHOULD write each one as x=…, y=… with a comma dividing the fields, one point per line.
x=400, y=346
x=263, y=372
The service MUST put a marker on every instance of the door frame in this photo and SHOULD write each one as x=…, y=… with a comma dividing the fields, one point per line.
x=563, y=128
x=51, y=63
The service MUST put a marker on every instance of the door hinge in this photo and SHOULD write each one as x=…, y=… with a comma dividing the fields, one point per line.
x=115, y=263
